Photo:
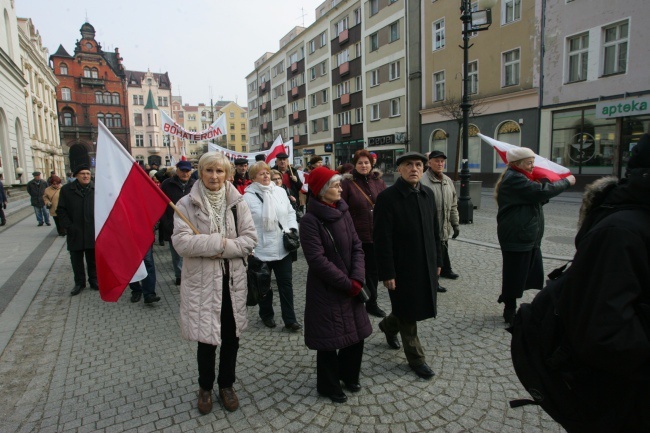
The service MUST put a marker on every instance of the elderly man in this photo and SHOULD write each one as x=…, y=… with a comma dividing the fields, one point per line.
x=290, y=177
x=241, y=180
x=76, y=212
x=407, y=247
x=446, y=205
x=175, y=188
x=36, y=188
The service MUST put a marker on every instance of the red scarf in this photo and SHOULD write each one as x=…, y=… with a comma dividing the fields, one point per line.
x=525, y=173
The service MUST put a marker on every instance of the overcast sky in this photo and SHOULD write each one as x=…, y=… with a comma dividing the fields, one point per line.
x=202, y=44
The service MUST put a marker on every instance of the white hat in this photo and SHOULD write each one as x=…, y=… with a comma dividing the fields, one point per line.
x=518, y=153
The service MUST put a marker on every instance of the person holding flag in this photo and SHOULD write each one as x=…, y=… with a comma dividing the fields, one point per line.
x=520, y=225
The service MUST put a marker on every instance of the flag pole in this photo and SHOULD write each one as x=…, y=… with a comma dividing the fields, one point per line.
x=183, y=217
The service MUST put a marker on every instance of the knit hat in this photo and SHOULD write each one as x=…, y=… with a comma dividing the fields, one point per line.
x=318, y=177
x=79, y=168
x=640, y=157
x=519, y=153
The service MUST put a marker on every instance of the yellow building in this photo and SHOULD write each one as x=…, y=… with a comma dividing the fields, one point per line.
x=236, y=138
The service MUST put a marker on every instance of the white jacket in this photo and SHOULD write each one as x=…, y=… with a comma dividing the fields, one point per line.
x=270, y=246
x=201, y=285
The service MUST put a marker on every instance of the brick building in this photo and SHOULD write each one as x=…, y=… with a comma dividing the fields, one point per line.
x=92, y=87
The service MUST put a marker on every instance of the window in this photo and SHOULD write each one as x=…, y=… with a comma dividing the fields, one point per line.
x=343, y=118
x=472, y=75
x=314, y=126
x=512, y=11
x=359, y=114
x=232, y=138
x=93, y=73
x=63, y=69
x=313, y=100
x=137, y=119
x=374, y=112
x=312, y=46
x=615, y=48
x=342, y=89
x=578, y=55
x=139, y=140
x=508, y=132
x=439, y=34
x=323, y=68
x=393, y=70
x=150, y=140
x=324, y=96
x=323, y=39
x=312, y=73
x=67, y=119
x=357, y=49
x=109, y=120
x=374, y=42
x=439, y=86
x=243, y=148
x=358, y=83
x=394, y=32
x=374, y=7
x=116, y=98
x=117, y=121
x=326, y=123
x=394, y=107
x=65, y=94
x=294, y=106
x=341, y=26
x=86, y=72
x=232, y=126
x=100, y=117
x=374, y=78
x=511, y=68
x=138, y=100
x=242, y=126
x=342, y=57
x=107, y=98
x=149, y=119
x=357, y=16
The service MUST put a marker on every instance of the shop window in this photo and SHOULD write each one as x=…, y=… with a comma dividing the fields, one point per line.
x=474, y=150
x=438, y=141
x=508, y=132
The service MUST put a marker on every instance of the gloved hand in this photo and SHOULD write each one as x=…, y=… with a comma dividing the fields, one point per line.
x=356, y=288
x=456, y=232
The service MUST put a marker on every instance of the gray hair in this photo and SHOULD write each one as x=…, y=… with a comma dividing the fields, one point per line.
x=214, y=159
x=333, y=179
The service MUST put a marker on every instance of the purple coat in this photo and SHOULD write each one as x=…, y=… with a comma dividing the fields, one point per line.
x=333, y=318
x=360, y=208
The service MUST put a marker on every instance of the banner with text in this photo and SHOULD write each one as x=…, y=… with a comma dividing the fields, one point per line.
x=217, y=129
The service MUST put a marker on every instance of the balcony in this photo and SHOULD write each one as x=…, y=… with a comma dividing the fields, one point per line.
x=344, y=68
x=92, y=82
x=345, y=99
x=294, y=91
x=345, y=129
x=265, y=126
x=344, y=36
x=296, y=139
x=296, y=115
x=294, y=67
x=263, y=106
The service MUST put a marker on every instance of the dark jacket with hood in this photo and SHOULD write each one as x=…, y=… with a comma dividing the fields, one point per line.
x=76, y=212
x=333, y=318
x=174, y=190
x=361, y=208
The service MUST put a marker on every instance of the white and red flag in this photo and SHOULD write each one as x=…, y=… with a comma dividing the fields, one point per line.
x=127, y=206
x=304, y=178
x=544, y=168
x=183, y=156
x=277, y=148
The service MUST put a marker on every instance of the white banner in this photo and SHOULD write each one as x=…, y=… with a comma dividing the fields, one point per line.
x=217, y=129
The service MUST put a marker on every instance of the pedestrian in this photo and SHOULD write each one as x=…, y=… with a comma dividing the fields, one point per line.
x=520, y=226
x=336, y=322
x=51, y=199
x=3, y=204
x=70, y=178
x=175, y=188
x=315, y=162
x=273, y=215
x=36, y=189
x=446, y=206
x=76, y=212
x=49, y=179
x=147, y=286
x=360, y=191
x=241, y=179
x=345, y=168
x=260, y=157
x=213, y=294
x=290, y=177
x=407, y=247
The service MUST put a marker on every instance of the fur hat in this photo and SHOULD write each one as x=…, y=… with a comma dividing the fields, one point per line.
x=79, y=168
x=318, y=177
x=519, y=153
x=640, y=157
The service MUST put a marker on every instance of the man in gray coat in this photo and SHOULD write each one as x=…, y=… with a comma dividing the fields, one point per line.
x=447, y=207
x=36, y=188
x=407, y=246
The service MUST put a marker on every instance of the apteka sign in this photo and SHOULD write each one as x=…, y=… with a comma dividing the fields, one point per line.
x=622, y=108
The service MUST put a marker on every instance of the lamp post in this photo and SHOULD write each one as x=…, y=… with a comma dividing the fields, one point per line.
x=473, y=21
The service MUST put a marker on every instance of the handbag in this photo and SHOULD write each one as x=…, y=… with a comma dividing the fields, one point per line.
x=364, y=294
x=259, y=280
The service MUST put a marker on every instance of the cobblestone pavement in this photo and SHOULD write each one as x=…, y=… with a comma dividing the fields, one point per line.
x=80, y=364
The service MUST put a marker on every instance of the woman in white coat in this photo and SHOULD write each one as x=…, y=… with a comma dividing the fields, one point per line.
x=273, y=215
x=214, y=284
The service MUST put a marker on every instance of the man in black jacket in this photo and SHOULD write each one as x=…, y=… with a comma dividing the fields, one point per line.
x=290, y=177
x=36, y=188
x=407, y=246
x=175, y=188
x=76, y=212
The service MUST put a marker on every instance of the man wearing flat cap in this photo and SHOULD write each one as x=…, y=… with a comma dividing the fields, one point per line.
x=76, y=212
x=447, y=207
x=407, y=246
x=290, y=177
x=241, y=180
x=36, y=188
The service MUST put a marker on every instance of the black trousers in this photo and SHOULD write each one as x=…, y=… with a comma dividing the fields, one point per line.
x=60, y=230
x=333, y=367
x=446, y=263
x=522, y=270
x=372, y=279
x=77, y=260
x=206, y=353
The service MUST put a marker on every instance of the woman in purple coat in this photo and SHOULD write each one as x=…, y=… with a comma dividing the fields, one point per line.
x=336, y=322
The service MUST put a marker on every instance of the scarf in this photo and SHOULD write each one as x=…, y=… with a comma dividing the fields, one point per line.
x=525, y=173
x=269, y=215
x=215, y=203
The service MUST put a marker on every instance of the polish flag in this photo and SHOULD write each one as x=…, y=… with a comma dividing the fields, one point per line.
x=127, y=206
x=183, y=157
x=544, y=168
x=304, y=178
x=277, y=148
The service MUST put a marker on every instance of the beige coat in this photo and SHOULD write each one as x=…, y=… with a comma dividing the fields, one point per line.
x=202, y=274
x=446, y=202
x=51, y=195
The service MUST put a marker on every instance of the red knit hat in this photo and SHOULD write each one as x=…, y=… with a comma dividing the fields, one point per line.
x=318, y=178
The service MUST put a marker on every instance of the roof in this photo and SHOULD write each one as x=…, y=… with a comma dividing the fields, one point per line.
x=135, y=78
x=61, y=52
x=150, y=104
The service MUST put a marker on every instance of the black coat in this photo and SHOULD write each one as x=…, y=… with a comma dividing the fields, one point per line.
x=174, y=190
x=76, y=212
x=407, y=247
x=333, y=318
x=36, y=189
x=295, y=186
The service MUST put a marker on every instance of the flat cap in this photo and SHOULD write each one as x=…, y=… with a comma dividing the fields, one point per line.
x=411, y=155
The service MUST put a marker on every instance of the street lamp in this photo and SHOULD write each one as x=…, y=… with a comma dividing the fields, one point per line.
x=473, y=21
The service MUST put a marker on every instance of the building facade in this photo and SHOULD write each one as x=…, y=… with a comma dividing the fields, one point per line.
x=147, y=94
x=16, y=164
x=236, y=138
x=92, y=88
x=596, y=91
x=40, y=98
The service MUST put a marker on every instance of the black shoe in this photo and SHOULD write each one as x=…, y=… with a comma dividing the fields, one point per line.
x=94, y=286
x=374, y=310
x=391, y=339
x=294, y=327
x=336, y=398
x=423, y=371
x=150, y=299
x=178, y=281
x=135, y=297
x=76, y=290
x=352, y=387
x=451, y=275
x=40, y=224
x=442, y=289
x=269, y=323
x=48, y=224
